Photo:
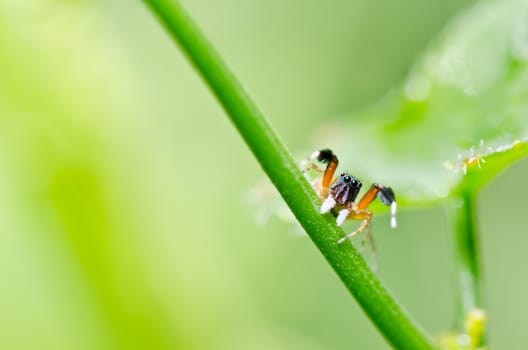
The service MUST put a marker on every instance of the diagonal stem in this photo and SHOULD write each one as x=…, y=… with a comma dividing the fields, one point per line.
x=392, y=321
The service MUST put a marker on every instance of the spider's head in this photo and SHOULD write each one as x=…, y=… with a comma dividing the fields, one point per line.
x=345, y=189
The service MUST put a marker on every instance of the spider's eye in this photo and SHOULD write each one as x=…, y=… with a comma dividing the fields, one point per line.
x=347, y=178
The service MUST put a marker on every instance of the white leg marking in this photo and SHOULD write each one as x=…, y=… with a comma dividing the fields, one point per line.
x=327, y=205
x=342, y=216
x=314, y=155
x=394, y=208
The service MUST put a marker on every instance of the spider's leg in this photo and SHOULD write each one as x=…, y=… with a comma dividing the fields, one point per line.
x=367, y=237
x=385, y=195
x=324, y=156
x=327, y=205
x=369, y=196
x=307, y=164
x=342, y=216
x=327, y=156
x=310, y=166
x=373, y=255
x=322, y=186
x=365, y=215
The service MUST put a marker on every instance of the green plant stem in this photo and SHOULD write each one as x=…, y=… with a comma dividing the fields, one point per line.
x=464, y=239
x=393, y=322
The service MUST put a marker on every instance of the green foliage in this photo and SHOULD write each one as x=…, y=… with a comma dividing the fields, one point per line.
x=462, y=109
x=110, y=238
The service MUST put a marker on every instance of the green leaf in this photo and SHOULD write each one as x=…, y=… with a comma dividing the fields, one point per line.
x=459, y=117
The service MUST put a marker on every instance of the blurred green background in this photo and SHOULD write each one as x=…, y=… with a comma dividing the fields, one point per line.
x=122, y=219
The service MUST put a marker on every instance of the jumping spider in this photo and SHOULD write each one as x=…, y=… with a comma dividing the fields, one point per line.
x=339, y=195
